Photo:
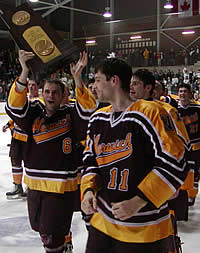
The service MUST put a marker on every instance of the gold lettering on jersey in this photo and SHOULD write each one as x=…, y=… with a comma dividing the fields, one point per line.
x=112, y=151
x=59, y=123
x=40, y=126
x=190, y=119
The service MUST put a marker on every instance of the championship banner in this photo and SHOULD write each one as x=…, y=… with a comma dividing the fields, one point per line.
x=32, y=33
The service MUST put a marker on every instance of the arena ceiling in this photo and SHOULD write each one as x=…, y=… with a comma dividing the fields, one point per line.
x=84, y=18
x=86, y=12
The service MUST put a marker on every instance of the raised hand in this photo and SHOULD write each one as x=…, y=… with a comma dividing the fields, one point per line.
x=76, y=69
x=24, y=56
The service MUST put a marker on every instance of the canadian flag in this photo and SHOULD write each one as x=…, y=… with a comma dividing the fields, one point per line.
x=186, y=7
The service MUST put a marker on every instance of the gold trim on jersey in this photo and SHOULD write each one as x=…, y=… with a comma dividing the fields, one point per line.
x=189, y=181
x=16, y=100
x=174, y=96
x=89, y=183
x=56, y=185
x=45, y=136
x=178, y=122
x=133, y=234
x=17, y=133
x=20, y=136
x=43, y=132
x=195, y=146
x=85, y=98
x=158, y=191
x=166, y=134
x=192, y=193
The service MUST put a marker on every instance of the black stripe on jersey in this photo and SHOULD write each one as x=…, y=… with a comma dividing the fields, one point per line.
x=100, y=115
x=83, y=113
x=19, y=131
x=51, y=174
x=18, y=112
x=188, y=106
x=141, y=217
x=186, y=143
x=195, y=141
x=173, y=181
x=151, y=131
x=17, y=170
x=163, y=159
x=21, y=112
x=88, y=152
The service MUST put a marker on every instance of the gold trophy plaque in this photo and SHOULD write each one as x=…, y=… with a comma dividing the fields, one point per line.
x=32, y=33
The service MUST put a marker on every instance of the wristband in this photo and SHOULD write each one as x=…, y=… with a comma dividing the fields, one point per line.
x=23, y=84
x=89, y=189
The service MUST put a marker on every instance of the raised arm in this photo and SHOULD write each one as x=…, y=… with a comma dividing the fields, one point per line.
x=17, y=106
x=24, y=56
x=76, y=69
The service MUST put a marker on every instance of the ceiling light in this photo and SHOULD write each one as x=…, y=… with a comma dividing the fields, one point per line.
x=135, y=37
x=107, y=13
x=90, y=42
x=34, y=1
x=188, y=32
x=168, y=5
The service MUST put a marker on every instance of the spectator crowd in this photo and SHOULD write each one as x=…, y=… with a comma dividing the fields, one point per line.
x=10, y=67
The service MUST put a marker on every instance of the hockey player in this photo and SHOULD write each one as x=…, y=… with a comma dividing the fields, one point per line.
x=50, y=167
x=19, y=138
x=134, y=162
x=179, y=202
x=190, y=113
x=145, y=86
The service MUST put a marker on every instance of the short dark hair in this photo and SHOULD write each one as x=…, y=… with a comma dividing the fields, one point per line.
x=185, y=85
x=146, y=77
x=57, y=82
x=163, y=86
x=91, y=80
x=115, y=66
x=37, y=82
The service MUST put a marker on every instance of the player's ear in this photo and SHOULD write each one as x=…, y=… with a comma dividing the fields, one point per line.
x=115, y=79
x=148, y=87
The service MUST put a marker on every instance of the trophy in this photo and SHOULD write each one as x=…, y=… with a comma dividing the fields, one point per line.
x=32, y=33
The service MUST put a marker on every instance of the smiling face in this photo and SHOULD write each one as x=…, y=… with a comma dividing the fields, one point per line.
x=196, y=96
x=138, y=90
x=184, y=96
x=103, y=87
x=53, y=96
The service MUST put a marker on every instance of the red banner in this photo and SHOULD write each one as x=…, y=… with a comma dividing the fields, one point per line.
x=186, y=7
